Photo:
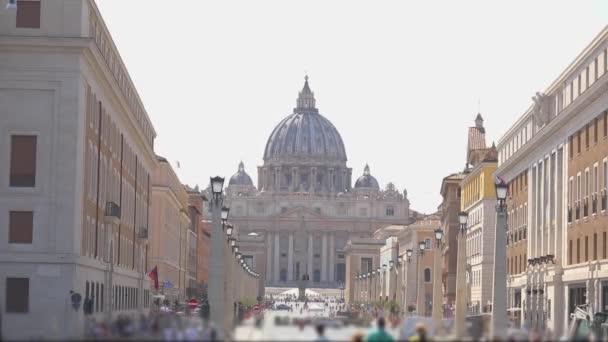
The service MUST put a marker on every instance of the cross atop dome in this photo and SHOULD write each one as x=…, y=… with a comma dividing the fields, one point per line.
x=306, y=100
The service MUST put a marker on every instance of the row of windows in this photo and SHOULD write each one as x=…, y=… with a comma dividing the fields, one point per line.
x=516, y=264
x=575, y=256
x=575, y=140
x=124, y=297
x=518, y=217
x=585, y=198
x=472, y=191
x=474, y=243
x=515, y=143
x=476, y=275
x=518, y=184
x=517, y=235
x=570, y=92
x=587, y=76
x=109, y=54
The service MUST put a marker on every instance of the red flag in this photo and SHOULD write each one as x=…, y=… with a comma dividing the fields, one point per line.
x=154, y=276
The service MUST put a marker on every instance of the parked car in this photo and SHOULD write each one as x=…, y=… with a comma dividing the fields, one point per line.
x=281, y=307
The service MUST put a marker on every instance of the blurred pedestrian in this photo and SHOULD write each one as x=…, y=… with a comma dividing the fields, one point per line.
x=420, y=335
x=321, y=333
x=357, y=337
x=380, y=335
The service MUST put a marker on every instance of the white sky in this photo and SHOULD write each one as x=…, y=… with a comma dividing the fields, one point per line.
x=400, y=80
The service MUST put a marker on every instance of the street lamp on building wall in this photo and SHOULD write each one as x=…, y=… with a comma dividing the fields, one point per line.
x=461, y=285
x=499, y=298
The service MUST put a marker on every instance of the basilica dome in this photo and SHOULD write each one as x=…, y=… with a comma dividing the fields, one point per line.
x=240, y=177
x=367, y=180
x=305, y=133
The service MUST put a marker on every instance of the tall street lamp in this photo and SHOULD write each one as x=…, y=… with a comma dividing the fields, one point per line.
x=461, y=281
x=499, y=293
x=420, y=292
x=217, y=293
x=437, y=311
x=384, y=283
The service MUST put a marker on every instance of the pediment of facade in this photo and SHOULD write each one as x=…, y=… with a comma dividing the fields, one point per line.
x=300, y=213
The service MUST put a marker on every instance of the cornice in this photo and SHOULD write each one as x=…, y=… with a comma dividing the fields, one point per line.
x=556, y=132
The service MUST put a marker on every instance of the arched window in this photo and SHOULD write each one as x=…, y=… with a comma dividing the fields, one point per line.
x=427, y=275
x=390, y=211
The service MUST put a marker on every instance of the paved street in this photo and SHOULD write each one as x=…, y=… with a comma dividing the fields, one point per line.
x=272, y=332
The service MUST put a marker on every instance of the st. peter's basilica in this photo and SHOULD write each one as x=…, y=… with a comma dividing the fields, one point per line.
x=305, y=208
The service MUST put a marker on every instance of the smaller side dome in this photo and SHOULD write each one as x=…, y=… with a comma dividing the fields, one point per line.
x=241, y=177
x=367, y=180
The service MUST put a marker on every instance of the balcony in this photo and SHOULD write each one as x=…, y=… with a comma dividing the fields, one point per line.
x=594, y=204
x=112, y=213
x=142, y=233
x=585, y=207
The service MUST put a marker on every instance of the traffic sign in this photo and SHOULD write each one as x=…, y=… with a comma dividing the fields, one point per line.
x=192, y=303
x=256, y=309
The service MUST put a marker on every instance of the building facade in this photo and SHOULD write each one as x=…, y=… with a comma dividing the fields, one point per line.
x=76, y=158
x=198, y=258
x=559, y=146
x=449, y=209
x=305, y=205
x=478, y=201
x=170, y=232
x=417, y=272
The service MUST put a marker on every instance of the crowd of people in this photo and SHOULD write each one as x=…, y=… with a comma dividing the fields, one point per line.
x=156, y=326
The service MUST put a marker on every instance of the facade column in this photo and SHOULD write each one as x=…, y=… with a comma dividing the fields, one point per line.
x=310, y=249
x=313, y=179
x=324, y=258
x=269, y=257
x=290, y=258
x=277, y=255
x=332, y=262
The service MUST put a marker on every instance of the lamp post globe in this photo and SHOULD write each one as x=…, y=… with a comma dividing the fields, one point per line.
x=501, y=191
x=438, y=235
x=229, y=229
x=217, y=185
x=224, y=213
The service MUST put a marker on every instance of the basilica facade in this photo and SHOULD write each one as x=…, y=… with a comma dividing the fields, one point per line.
x=305, y=207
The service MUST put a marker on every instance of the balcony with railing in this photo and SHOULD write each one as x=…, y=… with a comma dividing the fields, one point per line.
x=594, y=204
x=585, y=207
